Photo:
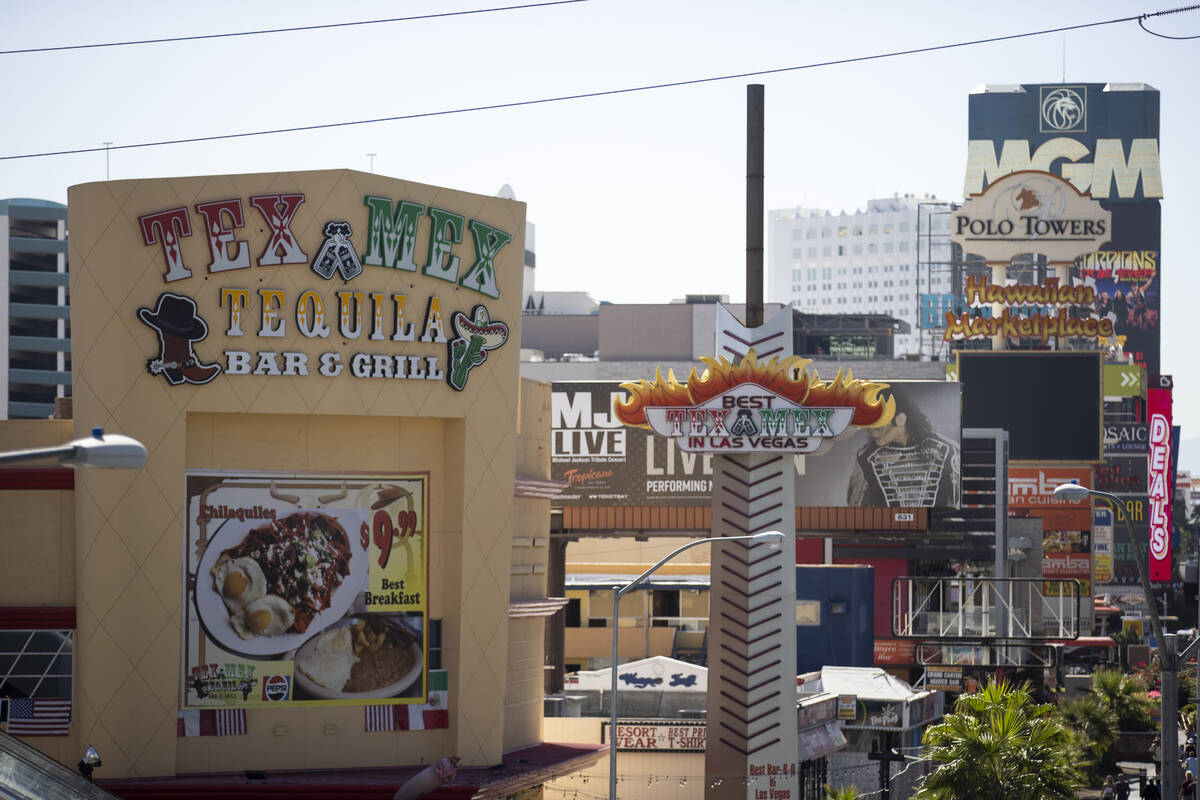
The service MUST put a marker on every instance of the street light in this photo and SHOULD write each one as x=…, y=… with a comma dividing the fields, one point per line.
x=621, y=591
x=98, y=450
x=1169, y=741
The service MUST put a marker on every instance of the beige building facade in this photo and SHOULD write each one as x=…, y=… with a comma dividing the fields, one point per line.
x=309, y=346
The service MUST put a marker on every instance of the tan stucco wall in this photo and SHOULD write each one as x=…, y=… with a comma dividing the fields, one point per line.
x=527, y=638
x=129, y=523
x=37, y=546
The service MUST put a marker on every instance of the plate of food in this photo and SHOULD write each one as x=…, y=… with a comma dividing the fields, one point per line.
x=362, y=656
x=264, y=587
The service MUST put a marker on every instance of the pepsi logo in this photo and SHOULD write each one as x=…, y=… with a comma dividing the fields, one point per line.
x=276, y=687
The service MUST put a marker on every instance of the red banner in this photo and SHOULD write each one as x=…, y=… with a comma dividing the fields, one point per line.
x=1158, y=404
x=1031, y=494
x=895, y=651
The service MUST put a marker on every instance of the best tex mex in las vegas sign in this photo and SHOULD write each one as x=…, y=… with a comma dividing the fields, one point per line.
x=376, y=296
x=752, y=407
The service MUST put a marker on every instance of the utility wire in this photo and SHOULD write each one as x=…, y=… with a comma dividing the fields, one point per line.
x=1142, y=25
x=602, y=93
x=267, y=31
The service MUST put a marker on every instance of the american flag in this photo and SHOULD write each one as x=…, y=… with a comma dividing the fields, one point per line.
x=38, y=716
x=211, y=722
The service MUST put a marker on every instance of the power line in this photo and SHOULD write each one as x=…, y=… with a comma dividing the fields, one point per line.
x=266, y=31
x=603, y=93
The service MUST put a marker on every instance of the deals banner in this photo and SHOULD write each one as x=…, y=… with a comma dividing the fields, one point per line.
x=1161, y=482
x=305, y=589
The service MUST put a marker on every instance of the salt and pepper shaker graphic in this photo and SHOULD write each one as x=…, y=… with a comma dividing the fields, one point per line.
x=337, y=254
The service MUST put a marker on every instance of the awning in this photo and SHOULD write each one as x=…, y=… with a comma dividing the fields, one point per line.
x=28, y=774
x=658, y=581
x=820, y=741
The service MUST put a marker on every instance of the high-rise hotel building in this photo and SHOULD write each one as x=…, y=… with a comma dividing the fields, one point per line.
x=881, y=260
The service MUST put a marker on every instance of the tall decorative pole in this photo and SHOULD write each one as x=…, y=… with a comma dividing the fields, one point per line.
x=752, y=726
x=753, y=407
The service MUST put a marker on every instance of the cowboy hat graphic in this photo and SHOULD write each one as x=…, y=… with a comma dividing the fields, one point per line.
x=178, y=325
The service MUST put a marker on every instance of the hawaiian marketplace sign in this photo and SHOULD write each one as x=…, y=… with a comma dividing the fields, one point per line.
x=752, y=407
x=295, y=282
x=1028, y=311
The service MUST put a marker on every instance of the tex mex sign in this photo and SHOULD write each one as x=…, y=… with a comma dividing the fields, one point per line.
x=752, y=407
x=392, y=289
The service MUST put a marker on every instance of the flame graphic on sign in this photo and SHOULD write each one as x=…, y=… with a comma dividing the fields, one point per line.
x=870, y=411
x=786, y=377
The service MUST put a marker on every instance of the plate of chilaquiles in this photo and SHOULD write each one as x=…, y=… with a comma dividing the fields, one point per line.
x=264, y=587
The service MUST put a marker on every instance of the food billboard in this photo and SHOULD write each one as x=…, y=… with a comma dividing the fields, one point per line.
x=305, y=588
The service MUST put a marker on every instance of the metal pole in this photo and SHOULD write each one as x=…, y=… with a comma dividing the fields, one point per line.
x=754, y=205
x=1166, y=659
x=618, y=593
x=612, y=704
x=1170, y=721
x=107, y=145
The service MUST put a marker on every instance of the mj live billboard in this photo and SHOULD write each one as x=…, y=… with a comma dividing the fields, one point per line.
x=1103, y=139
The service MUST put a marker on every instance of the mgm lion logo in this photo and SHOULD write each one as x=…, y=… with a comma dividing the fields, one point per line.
x=1063, y=109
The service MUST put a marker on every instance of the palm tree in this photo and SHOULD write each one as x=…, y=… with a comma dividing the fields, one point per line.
x=841, y=793
x=1126, y=696
x=999, y=744
x=1094, y=726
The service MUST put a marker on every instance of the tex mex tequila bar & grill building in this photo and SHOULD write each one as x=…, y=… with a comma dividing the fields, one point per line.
x=330, y=573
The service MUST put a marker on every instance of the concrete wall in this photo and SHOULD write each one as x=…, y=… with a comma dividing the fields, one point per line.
x=647, y=332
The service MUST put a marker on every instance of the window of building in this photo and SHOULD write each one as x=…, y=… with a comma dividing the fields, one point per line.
x=826, y=233
x=887, y=247
x=841, y=230
x=811, y=233
x=904, y=247
x=872, y=247
x=37, y=664
x=904, y=227
x=664, y=603
x=812, y=252
x=887, y=228
x=812, y=273
x=874, y=229
x=827, y=251
x=858, y=230
x=434, y=656
x=858, y=249
x=797, y=252
x=826, y=272
x=571, y=613
x=797, y=233
x=841, y=250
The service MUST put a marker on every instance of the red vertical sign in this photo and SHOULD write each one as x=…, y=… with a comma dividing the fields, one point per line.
x=1159, y=481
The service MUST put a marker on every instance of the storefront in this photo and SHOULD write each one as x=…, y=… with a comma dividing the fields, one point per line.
x=335, y=556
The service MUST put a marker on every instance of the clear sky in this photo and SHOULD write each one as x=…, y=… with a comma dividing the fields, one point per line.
x=636, y=197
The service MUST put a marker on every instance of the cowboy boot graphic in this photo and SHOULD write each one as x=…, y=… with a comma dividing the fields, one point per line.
x=178, y=327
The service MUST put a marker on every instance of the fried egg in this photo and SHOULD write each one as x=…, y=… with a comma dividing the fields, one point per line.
x=239, y=581
x=269, y=615
x=328, y=659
